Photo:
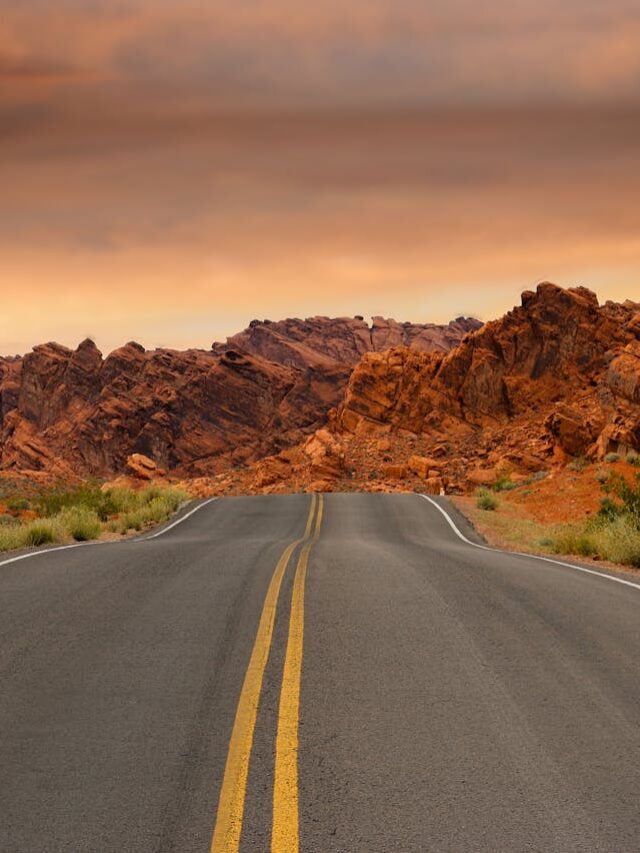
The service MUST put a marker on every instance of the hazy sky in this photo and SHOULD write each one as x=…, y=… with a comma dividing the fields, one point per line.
x=171, y=169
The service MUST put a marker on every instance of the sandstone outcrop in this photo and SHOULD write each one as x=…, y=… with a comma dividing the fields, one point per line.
x=195, y=413
x=319, y=341
x=558, y=376
x=140, y=466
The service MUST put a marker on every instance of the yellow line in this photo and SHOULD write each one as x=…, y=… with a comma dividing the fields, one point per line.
x=228, y=828
x=285, y=831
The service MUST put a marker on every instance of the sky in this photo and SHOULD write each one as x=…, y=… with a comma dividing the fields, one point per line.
x=172, y=169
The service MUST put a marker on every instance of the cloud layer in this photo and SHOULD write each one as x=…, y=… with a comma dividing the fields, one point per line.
x=170, y=170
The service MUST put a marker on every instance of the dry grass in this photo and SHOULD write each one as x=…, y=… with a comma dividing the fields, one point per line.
x=616, y=540
x=522, y=523
x=85, y=513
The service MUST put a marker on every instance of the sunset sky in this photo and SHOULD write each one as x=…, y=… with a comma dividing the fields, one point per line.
x=171, y=169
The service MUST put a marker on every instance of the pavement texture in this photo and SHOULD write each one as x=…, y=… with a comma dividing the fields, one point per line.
x=393, y=689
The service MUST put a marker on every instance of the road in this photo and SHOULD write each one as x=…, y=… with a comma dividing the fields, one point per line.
x=331, y=673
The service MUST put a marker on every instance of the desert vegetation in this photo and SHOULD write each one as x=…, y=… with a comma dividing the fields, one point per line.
x=614, y=533
x=82, y=513
x=524, y=517
x=485, y=500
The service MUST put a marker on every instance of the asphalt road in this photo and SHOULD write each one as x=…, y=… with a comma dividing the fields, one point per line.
x=343, y=673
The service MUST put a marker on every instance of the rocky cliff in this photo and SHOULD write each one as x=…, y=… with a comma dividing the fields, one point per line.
x=196, y=412
x=555, y=378
x=558, y=376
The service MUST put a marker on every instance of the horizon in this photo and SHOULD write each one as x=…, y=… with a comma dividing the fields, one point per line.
x=367, y=319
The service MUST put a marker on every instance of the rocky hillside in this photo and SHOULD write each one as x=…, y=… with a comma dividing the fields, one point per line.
x=321, y=341
x=555, y=378
x=197, y=412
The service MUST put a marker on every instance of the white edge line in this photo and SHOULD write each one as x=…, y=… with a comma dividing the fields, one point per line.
x=178, y=521
x=460, y=535
x=111, y=542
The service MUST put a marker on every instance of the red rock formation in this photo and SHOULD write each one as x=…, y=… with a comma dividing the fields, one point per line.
x=195, y=412
x=558, y=376
x=321, y=341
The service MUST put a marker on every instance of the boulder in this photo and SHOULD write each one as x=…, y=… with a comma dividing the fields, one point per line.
x=424, y=466
x=434, y=486
x=482, y=476
x=142, y=467
x=394, y=472
x=325, y=455
x=623, y=376
x=570, y=430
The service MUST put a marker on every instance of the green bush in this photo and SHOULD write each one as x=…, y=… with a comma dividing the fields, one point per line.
x=90, y=497
x=154, y=506
x=619, y=541
x=574, y=539
x=628, y=494
x=485, y=500
x=504, y=484
x=131, y=521
x=83, y=512
x=10, y=538
x=80, y=523
x=609, y=509
x=578, y=464
x=612, y=457
x=40, y=533
x=17, y=504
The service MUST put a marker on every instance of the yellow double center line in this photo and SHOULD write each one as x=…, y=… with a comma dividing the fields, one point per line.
x=285, y=832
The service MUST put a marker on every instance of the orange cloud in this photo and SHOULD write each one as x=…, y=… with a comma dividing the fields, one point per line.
x=169, y=170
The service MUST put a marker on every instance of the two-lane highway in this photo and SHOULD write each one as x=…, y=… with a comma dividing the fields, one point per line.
x=323, y=673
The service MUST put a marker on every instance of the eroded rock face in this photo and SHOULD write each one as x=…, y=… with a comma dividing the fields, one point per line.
x=558, y=376
x=195, y=412
x=323, y=341
x=624, y=370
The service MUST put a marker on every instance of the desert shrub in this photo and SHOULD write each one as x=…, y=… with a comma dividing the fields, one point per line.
x=157, y=510
x=619, y=541
x=81, y=523
x=504, y=484
x=485, y=500
x=88, y=496
x=122, y=500
x=578, y=464
x=174, y=498
x=602, y=475
x=609, y=509
x=150, y=493
x=632, y=458
x=574, y=539
x=41, y=532
x=627, y=493
x=152, y=506
x=132, y=520
x=80, y=514
x=31, y=534
x=17, y=504
x=10, y=538
x=612, y=457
